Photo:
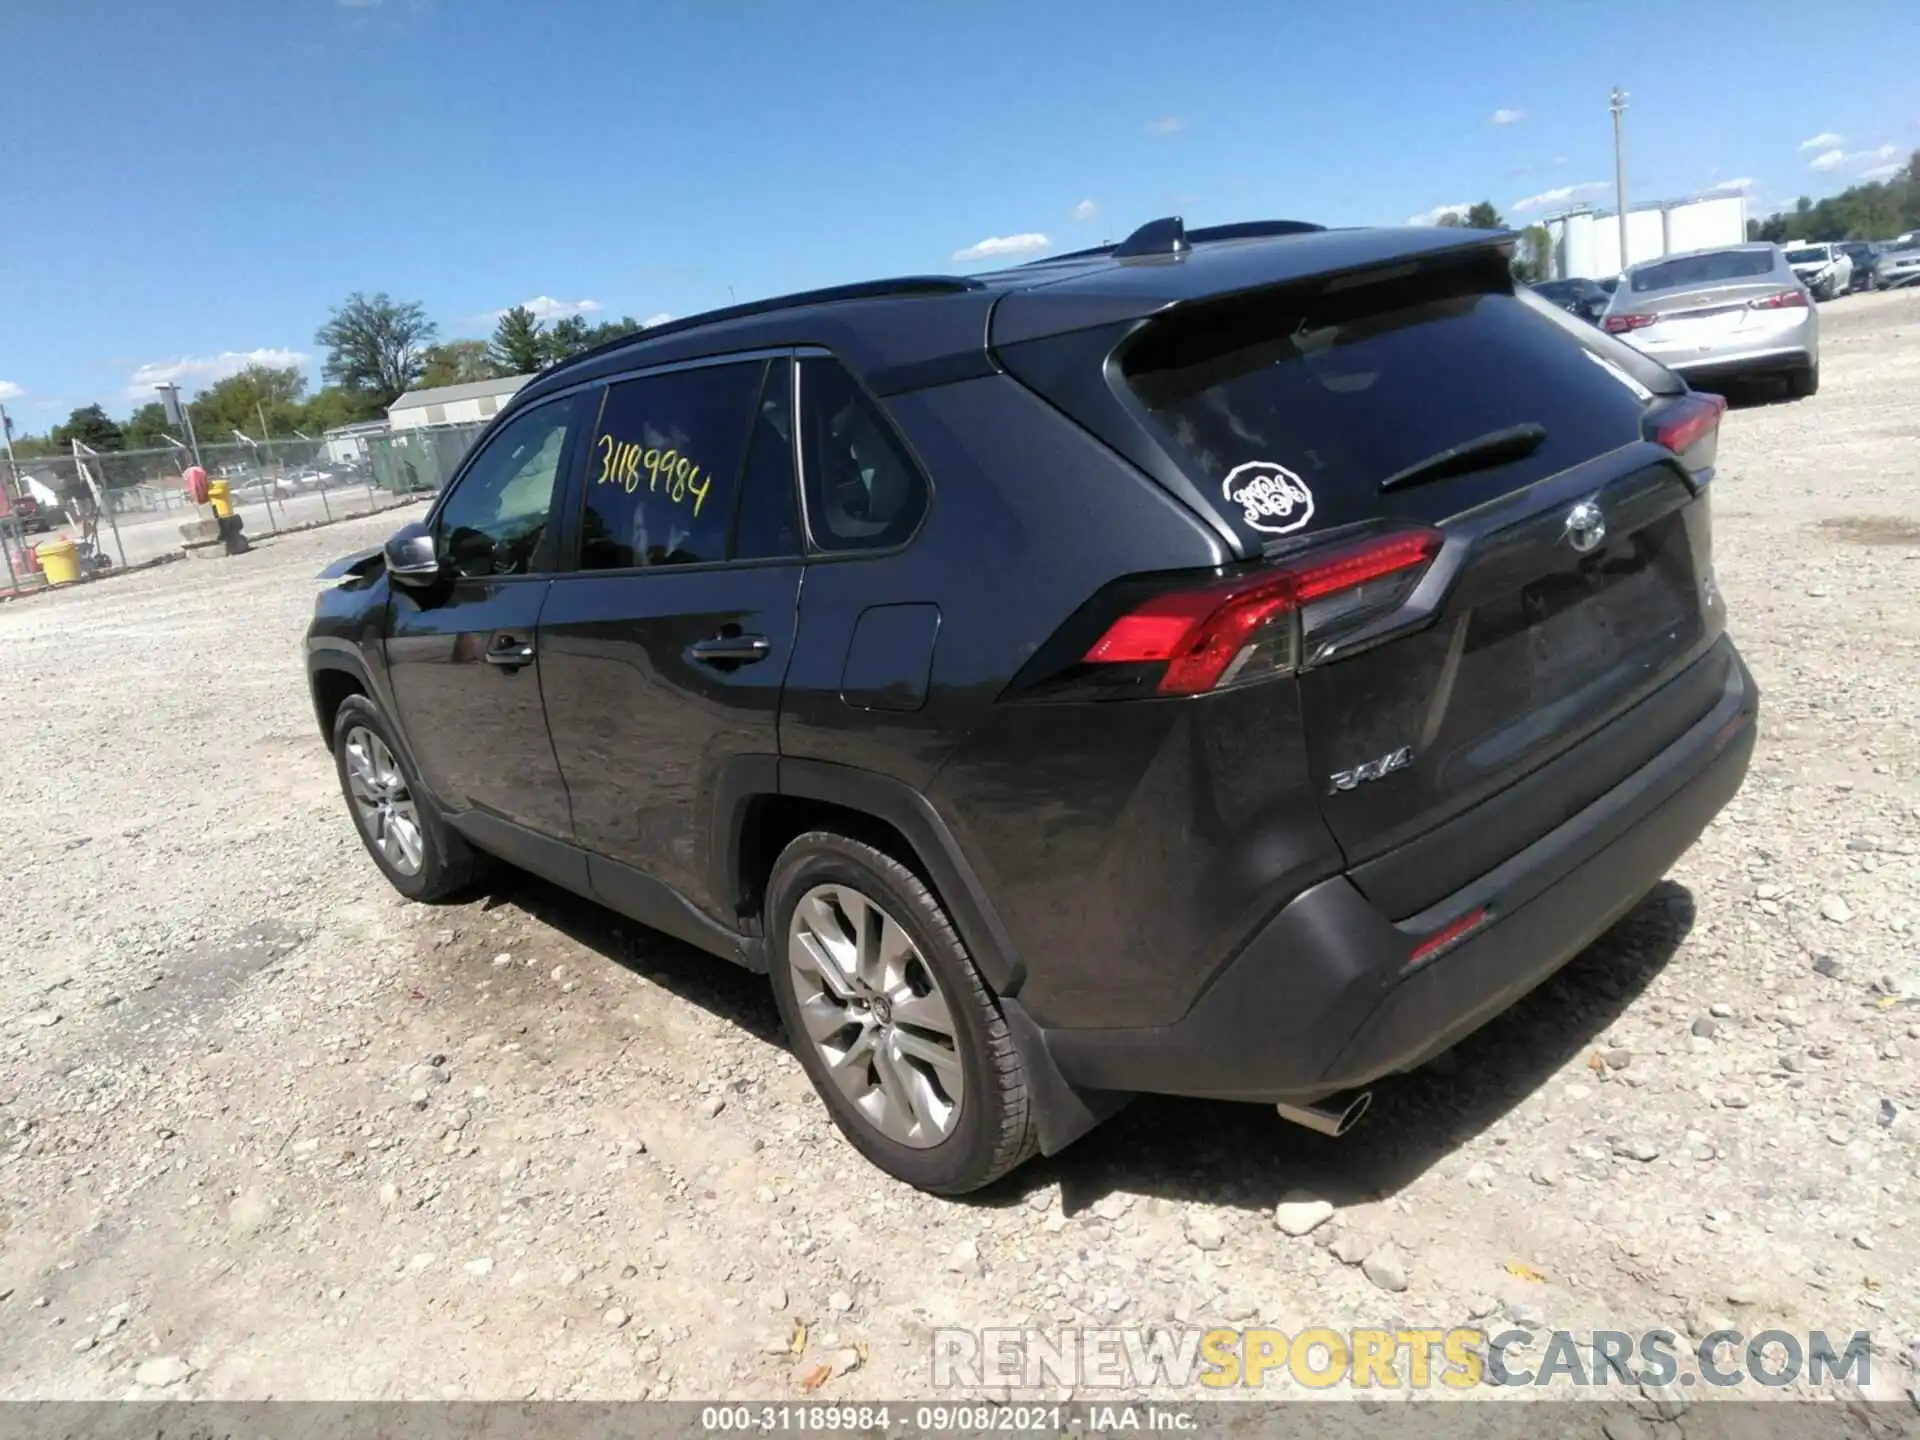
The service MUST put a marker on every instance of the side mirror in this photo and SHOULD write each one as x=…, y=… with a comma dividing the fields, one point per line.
x=411, y=558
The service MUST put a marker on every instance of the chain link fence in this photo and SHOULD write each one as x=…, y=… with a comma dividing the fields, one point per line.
x=276, y=485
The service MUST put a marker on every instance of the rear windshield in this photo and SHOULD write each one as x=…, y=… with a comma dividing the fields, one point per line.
x=1807, y=256
x=1702, y=269
x=1292, y=409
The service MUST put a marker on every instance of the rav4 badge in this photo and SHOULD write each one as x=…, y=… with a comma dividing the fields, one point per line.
x=1373, y=769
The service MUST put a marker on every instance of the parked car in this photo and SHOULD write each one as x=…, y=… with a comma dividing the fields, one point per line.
x=1584, y=298
x=1860, y=257
x=1895, y=268
x=32, y=517
x=1205, y=676
x=1826, y=270
x=1717, y=315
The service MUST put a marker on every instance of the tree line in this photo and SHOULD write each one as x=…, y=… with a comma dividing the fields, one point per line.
x=1879, y=210
x=1529, y=256
x=377, y=348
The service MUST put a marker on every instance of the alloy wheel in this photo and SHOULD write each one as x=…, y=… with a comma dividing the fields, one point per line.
x=876, y=1015
x=382, y=802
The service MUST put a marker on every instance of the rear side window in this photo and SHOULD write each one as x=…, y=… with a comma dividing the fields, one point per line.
x=663, y=467
x=1708, y=269
x=864, y=491
x=1292, y=407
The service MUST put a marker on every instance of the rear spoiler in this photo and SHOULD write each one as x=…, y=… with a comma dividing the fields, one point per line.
x=1152, y=284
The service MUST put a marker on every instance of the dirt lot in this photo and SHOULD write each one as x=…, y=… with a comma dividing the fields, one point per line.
x=261, y=1119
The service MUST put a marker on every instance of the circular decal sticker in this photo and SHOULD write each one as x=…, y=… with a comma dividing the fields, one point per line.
x=1272, y=497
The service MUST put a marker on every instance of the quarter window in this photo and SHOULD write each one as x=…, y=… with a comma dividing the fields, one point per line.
x=863, y=491
x=663, y=467
x=496, y=516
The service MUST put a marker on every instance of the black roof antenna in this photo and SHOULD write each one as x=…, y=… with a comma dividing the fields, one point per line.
x=1166, y=236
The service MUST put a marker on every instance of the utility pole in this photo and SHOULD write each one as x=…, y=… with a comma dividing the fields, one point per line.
x=180, y=415
x=1618, y=104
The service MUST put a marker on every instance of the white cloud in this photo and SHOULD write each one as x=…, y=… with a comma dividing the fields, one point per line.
x=1827, y=160
x=1434, y=216
x=1741, y=183
x=1885, y=152
x=1835, y=159
x=1882, y=172
x=546, y=308
x=11, y=391
x=192, y=371
x=652, y=320
x=1505, y=116
x=1086, y=210
x=1166, y=125
x=1825, y=140
x=1560, y=195
x=997, y=245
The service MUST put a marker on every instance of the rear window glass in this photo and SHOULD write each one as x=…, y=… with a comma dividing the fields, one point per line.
x=1702, y=269
x=1808, y=255
x=1293, y=409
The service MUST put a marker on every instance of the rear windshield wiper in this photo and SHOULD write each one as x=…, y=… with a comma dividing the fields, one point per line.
x=1496, y=447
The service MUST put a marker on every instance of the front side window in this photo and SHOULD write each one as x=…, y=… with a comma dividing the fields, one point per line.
x=863, y=491
x=496, y=516
x=663, y=467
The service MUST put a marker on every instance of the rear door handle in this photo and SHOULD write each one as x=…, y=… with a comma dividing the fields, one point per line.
x=510, y=651
x=730, y=649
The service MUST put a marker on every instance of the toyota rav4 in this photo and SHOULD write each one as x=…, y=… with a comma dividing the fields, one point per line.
x=1233, y=663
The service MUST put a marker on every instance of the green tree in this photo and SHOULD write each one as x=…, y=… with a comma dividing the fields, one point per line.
x=1451, y=220
x=91, y=427
x=1532, y=257
x=240, y=401
x=608, y=331
x=1482, y=216
x=457, y=362
x=148, y=428
x=337, y=406
x=376, y=346
x=519, y=343
x=566, y=338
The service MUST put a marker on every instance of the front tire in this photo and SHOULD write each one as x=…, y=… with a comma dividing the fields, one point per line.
x=420, y=856
x=893, y=1025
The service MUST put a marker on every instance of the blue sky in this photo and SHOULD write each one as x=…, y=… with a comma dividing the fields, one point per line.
x=197, y=182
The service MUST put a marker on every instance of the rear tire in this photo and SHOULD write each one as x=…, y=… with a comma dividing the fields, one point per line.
x=421, y=856
x=970, y=1119
x=1802, y=383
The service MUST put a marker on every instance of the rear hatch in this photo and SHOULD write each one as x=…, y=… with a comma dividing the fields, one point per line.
x=1569, y=572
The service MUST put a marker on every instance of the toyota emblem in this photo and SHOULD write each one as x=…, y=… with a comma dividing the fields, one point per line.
x=1586, y=527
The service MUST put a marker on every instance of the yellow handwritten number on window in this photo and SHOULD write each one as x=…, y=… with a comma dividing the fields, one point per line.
x=669, y=472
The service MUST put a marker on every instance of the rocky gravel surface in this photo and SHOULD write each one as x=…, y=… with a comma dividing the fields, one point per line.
x=267, y=1130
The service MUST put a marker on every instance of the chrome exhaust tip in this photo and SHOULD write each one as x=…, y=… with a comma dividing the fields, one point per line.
x=1335, y=1115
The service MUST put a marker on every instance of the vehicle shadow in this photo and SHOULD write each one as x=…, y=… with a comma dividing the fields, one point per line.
x=1215, y=1152
x=734, y=994
x=1245, y=1155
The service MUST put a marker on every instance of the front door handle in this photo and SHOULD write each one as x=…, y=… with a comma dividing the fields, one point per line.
x=730, y=649
x=510, y=651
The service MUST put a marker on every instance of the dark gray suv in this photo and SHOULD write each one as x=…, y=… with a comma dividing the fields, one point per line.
x=1233, y=663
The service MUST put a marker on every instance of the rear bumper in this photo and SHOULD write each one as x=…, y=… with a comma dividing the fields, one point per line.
x=1323, y=1000
x=1775, y=360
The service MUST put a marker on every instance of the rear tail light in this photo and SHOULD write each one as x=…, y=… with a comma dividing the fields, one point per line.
x=1448, y=936
x=1620, y=324
x=1230, y=632
x=1795, y=299
x=1688, y=421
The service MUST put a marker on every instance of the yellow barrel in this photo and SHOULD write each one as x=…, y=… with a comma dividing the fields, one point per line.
x=60, y=559
x=219, y=497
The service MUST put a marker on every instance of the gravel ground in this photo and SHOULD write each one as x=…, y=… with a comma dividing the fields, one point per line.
x=266, y=1130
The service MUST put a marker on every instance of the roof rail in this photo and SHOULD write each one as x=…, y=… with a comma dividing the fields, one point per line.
x=901, y=287
x=1170, y=236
